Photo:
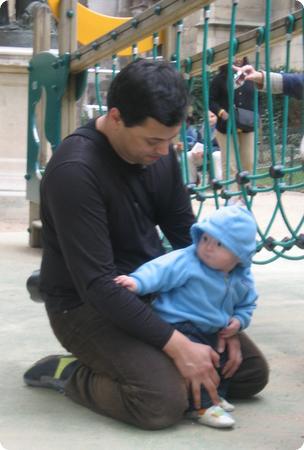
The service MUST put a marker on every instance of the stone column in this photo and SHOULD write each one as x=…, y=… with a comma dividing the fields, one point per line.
x=11, y=10
x=4, y=19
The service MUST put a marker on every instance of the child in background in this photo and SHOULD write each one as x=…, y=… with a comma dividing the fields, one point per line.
x=206, y=291
x=195, y=153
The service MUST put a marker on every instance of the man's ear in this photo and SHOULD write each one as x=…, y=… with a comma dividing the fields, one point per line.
x=115, y=117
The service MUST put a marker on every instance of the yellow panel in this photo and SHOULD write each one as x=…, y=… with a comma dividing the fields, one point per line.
x=92, y=25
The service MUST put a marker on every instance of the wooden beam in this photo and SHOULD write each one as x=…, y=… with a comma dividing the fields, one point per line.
x=14, y=68
x=41, y=29
x=169, y=42
x=41, y=42
x=247, y=43
x=67, y=43
x=153, y=19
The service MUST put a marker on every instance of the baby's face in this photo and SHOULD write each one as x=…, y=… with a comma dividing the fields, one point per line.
x=215, y=255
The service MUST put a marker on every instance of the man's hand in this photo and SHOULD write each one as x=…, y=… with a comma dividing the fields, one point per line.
x=197, y=364
x=126, y=282
x=234, y=354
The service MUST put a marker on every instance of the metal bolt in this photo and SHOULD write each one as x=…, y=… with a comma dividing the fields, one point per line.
x=135, y=23
x=157, y=10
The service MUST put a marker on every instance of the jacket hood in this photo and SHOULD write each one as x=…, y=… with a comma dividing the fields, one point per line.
x=234, y=227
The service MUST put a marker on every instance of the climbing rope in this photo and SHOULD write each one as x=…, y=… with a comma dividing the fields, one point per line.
x=220, y=190
x=210, y=187
x=98, y=89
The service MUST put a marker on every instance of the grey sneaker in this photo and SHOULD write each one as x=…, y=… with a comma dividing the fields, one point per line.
x=51, y=372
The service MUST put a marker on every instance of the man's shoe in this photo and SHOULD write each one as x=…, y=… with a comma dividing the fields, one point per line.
x=51, y=372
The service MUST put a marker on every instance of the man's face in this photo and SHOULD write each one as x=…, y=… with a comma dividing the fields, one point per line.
x=215, y=255
x=144, y=143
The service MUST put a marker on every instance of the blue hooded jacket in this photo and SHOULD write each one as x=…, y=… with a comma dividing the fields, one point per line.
x=189, y=290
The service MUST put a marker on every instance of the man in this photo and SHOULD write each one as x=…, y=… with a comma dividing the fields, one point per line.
x=99, y=207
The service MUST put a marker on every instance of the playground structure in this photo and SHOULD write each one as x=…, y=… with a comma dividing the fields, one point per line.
x=63, y=79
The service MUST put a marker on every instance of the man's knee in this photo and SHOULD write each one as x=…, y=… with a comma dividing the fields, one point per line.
x=164, y=409
x=154, y=405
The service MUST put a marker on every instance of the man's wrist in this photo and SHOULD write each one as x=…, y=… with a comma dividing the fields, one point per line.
x=174, y=344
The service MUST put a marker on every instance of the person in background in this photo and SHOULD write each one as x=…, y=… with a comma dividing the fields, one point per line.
x=191, y=132
x=243, y=98
x=196, y=154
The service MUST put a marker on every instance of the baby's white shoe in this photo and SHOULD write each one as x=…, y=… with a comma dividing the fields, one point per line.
x=228, y=407
x=215, y=417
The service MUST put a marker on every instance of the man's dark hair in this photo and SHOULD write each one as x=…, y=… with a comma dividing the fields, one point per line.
x=145, y=89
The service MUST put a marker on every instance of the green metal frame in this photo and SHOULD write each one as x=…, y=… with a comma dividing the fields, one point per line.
x=49, y=73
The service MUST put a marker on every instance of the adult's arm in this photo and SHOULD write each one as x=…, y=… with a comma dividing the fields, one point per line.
x=196, y=363
x=75, y=209
x=291, y=84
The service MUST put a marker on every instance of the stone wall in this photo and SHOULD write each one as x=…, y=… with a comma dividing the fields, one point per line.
x=249, y=15
x=13, y=101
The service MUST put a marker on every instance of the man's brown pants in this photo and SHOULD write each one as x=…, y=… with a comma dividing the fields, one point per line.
x=129, y=380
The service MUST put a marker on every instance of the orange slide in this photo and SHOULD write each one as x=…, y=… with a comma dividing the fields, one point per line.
x=92, y=25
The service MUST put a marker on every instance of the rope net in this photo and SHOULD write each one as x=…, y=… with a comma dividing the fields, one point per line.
x=284, y=170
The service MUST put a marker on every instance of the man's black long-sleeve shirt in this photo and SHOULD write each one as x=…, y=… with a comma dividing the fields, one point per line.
x=95, y=227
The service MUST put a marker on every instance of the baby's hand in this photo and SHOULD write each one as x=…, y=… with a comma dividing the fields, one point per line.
x=126, y=282
x=232, y=329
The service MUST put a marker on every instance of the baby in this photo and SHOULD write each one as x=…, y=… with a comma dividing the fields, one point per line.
x=206, y=291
